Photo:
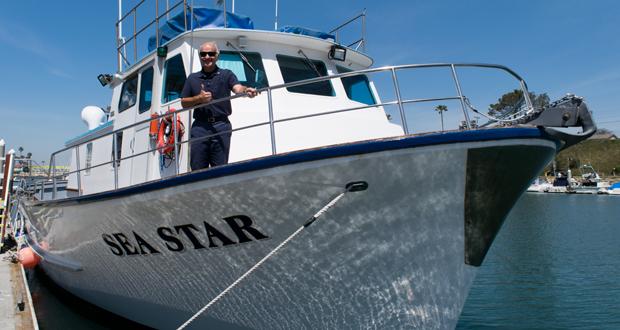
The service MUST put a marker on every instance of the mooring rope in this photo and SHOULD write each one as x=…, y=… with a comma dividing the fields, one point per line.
x=350, y=187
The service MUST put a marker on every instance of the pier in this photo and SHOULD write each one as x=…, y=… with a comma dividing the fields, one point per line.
x=16, y=309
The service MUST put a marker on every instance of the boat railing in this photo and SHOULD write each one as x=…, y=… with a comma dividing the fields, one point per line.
x=361, y=42
x=399, y=102
x=132, y=17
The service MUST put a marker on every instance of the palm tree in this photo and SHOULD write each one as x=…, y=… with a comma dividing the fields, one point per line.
x=441, y=108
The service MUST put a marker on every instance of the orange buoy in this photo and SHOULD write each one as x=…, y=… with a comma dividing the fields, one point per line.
x=165, y=136
x=28, y=258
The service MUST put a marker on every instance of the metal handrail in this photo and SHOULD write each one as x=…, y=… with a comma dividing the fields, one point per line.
x=400, y=102
x=361, y=41
x=134, y=11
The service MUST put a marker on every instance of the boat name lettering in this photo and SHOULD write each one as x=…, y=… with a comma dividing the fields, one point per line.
x=180, y=237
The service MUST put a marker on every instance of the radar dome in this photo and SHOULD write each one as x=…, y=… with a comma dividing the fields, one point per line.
x=93, y=116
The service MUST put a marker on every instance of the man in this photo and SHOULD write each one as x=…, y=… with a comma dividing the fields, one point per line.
x=211, y=83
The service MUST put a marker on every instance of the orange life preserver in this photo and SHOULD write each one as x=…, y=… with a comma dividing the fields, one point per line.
x=165, y=136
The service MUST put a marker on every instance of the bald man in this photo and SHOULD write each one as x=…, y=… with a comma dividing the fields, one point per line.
x=211, y=83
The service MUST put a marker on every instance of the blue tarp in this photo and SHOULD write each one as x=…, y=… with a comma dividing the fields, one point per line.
x=615, y=186
x=307, y=32
x=203, y=17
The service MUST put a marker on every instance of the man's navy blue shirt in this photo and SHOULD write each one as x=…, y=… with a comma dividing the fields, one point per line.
x=219, y=82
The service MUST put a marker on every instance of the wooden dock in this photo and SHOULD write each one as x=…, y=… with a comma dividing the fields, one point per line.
x=16, y=309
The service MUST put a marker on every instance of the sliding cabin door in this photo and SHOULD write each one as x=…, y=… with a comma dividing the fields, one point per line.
x=142, y=144
x=123, y=150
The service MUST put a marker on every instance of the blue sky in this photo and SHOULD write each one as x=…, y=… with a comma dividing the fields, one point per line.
x=52, y=51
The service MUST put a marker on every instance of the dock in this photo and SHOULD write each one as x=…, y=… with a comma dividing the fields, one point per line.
x=16, y=309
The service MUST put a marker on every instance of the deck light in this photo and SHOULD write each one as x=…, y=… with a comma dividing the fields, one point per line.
x=104, y=79
x=337, y=53
x=162, y=51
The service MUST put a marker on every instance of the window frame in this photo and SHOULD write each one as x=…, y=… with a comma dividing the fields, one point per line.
x=121, y=106
x=164, y=91
x=320, y=65
x=251, y=56
x=142, y=90
x=341, y=69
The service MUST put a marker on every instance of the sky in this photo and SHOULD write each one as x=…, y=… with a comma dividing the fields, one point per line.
x=52, y=51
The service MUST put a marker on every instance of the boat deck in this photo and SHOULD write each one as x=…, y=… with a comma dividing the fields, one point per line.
x=16, y=310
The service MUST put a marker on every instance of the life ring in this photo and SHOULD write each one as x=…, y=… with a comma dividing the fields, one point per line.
x=165, y=136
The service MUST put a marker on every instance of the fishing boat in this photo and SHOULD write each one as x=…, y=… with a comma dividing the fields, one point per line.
x=333, y=212
x=591, y=182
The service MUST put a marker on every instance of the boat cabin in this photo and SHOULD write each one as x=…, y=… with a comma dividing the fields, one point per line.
x=280, y=119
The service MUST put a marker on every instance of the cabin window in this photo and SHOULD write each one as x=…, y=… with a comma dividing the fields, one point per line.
x=128, y=94
x=146, y=90
x=89, y=158
x=299, y=68
x=252, y=75
x=357, y=87
x=174, y=79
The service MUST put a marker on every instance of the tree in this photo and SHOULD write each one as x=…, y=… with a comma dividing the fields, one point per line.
x=511, y=102
x=441, y=108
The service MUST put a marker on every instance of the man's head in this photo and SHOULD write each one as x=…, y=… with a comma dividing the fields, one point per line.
x=209, y=54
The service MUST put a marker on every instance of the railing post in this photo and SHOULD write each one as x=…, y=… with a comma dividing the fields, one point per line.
x=364, y=31
x=175, y=131
x=114, y=164
x=526, y=95
x=271, y=124
x=53, y=167
x=79, y=171
x=458, y=90
x=403, y=119
x=135, y=38
x=188, y=163
x=157, y=22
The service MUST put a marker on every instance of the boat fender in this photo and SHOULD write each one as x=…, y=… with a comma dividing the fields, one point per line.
x=28, y=258
x=165, y=138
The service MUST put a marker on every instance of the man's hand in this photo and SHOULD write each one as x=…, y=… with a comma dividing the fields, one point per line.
x=203, y=97
x=251, y=92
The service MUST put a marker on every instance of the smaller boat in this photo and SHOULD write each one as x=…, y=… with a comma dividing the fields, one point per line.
x=540, y=185
x=614, y=189
x=591, y=182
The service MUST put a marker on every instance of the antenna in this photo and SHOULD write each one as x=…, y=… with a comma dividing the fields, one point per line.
x=119, y=37
x=276, y=23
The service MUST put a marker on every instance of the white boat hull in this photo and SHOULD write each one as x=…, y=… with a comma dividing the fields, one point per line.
x=402, y=253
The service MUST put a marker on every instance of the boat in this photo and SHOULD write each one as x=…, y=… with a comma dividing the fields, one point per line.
x=540, y=185
x=591, y=182
x=614, y=189
x=333, y=212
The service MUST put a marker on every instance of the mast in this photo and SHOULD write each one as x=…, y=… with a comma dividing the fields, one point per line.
x=276, y=23
x=119, y=36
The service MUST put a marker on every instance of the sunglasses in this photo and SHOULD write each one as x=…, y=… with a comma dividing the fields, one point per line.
x=211, y=54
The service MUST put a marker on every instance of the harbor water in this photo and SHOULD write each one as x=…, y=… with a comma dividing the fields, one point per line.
x=554, y=265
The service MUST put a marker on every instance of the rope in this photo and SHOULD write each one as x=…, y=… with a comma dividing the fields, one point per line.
x=355, y=186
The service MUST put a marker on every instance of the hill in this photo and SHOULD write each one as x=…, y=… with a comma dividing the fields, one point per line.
x=603, y=155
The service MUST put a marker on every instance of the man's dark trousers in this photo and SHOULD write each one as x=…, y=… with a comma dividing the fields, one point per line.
x=213, y=150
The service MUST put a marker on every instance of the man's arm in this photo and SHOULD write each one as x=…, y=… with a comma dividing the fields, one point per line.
x=240, y=89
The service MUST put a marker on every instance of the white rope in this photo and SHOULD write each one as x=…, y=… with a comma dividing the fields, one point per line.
x=288, y=239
